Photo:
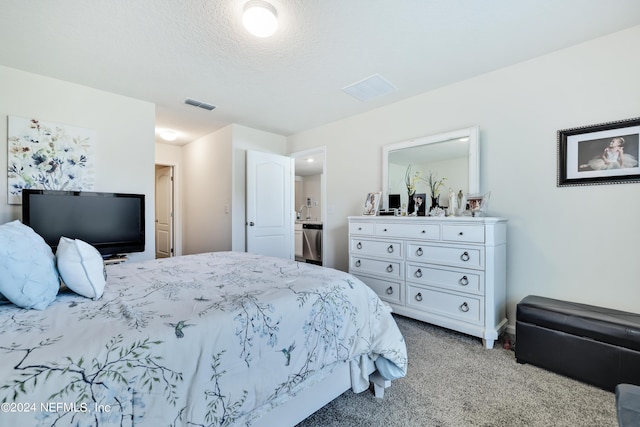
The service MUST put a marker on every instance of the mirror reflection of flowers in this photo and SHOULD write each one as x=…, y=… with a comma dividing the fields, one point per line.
x=434, y=184
x=411, y=180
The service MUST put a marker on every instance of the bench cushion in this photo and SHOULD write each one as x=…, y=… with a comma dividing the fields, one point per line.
x=606, y=325
x=628, y=405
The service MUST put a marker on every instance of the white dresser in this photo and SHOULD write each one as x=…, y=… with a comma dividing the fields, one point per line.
x=445, y=271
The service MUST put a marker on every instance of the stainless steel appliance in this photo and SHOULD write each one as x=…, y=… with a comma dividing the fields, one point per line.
x=312, y=243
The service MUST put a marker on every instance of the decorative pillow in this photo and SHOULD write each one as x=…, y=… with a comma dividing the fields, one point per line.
x=81, y=267
x=28, y=276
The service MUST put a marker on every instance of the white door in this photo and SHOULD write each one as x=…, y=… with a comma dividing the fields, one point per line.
x=164, y=211
x=270, y=204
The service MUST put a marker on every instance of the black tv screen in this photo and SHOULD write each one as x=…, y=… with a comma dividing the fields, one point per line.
x=111, y=222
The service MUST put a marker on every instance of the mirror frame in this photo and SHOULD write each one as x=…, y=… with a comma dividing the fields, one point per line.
x=473, y=133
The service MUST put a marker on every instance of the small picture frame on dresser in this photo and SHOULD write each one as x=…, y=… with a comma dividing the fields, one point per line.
x=372, y=203
x=417, y=204
x=478, y=203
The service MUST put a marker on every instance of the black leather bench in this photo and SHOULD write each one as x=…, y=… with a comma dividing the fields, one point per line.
x=596, y=345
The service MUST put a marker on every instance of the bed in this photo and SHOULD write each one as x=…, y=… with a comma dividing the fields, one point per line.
x=212, y=339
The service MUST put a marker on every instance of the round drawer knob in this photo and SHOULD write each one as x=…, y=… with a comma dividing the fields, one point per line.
x=418, y=273
x=384, y=229
x=464, y=281
x=390, y=269
x=389, y=290
x=465, y=256
x=418, y=296
x=419, y=252
x=358, y=263
x=464, y=307
x=359, y=245
x=461, y=234
x=390, y=249
x=424, y=231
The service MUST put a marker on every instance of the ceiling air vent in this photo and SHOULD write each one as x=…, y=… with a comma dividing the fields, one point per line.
x=200, y=104
x=370, y=88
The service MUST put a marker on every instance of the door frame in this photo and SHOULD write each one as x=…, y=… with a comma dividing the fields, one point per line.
x=177, y=211
x=322, y=150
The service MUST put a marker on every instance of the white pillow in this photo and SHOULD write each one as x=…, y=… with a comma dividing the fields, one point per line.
x=28, y=276
x=81, y=267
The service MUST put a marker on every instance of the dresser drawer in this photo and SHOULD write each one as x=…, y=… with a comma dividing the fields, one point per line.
x=456, y=256
x=455, y=279
x=463, y=233
x=361, y=228
x=390, y=269
x=412, y=231
x=460, y=307
x=380, y=248
x=387, y=290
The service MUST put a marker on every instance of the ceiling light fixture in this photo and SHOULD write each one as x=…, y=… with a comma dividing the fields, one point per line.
x=168, y=135
x=260, y=18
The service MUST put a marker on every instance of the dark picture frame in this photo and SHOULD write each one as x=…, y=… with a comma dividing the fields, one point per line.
x=417, y=204
x=605, y=153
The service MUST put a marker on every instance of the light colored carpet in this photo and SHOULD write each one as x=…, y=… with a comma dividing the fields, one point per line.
x=454, y=381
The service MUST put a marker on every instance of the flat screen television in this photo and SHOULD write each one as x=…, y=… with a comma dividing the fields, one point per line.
x=111, y=222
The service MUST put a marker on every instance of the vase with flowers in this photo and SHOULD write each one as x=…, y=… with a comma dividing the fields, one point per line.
x=434, y=185
x=412, y=178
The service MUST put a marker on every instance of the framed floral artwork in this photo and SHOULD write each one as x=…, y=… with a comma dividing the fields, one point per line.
x=605, y=153
x=48, y=156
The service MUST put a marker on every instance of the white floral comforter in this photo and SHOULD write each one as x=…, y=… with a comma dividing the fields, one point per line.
x=209, y=340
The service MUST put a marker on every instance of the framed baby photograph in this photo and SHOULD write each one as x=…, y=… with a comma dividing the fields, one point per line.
x=372, y=203
x=606, y=153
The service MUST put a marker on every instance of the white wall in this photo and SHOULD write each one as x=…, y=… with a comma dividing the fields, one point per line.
x=206, y=191
x=213, y=186
x=310, y=186
x=298, y=197
x=575, y=243
x=124, y=134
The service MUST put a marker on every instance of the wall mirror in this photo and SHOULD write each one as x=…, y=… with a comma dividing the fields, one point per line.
x=451, y=155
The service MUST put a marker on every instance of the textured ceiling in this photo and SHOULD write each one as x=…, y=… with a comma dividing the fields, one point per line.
x=165, y=51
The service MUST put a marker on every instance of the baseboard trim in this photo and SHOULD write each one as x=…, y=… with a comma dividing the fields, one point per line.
x=511, y=330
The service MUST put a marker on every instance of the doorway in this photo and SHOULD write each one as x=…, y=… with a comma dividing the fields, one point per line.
x=310, y=203
x=164, y=211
